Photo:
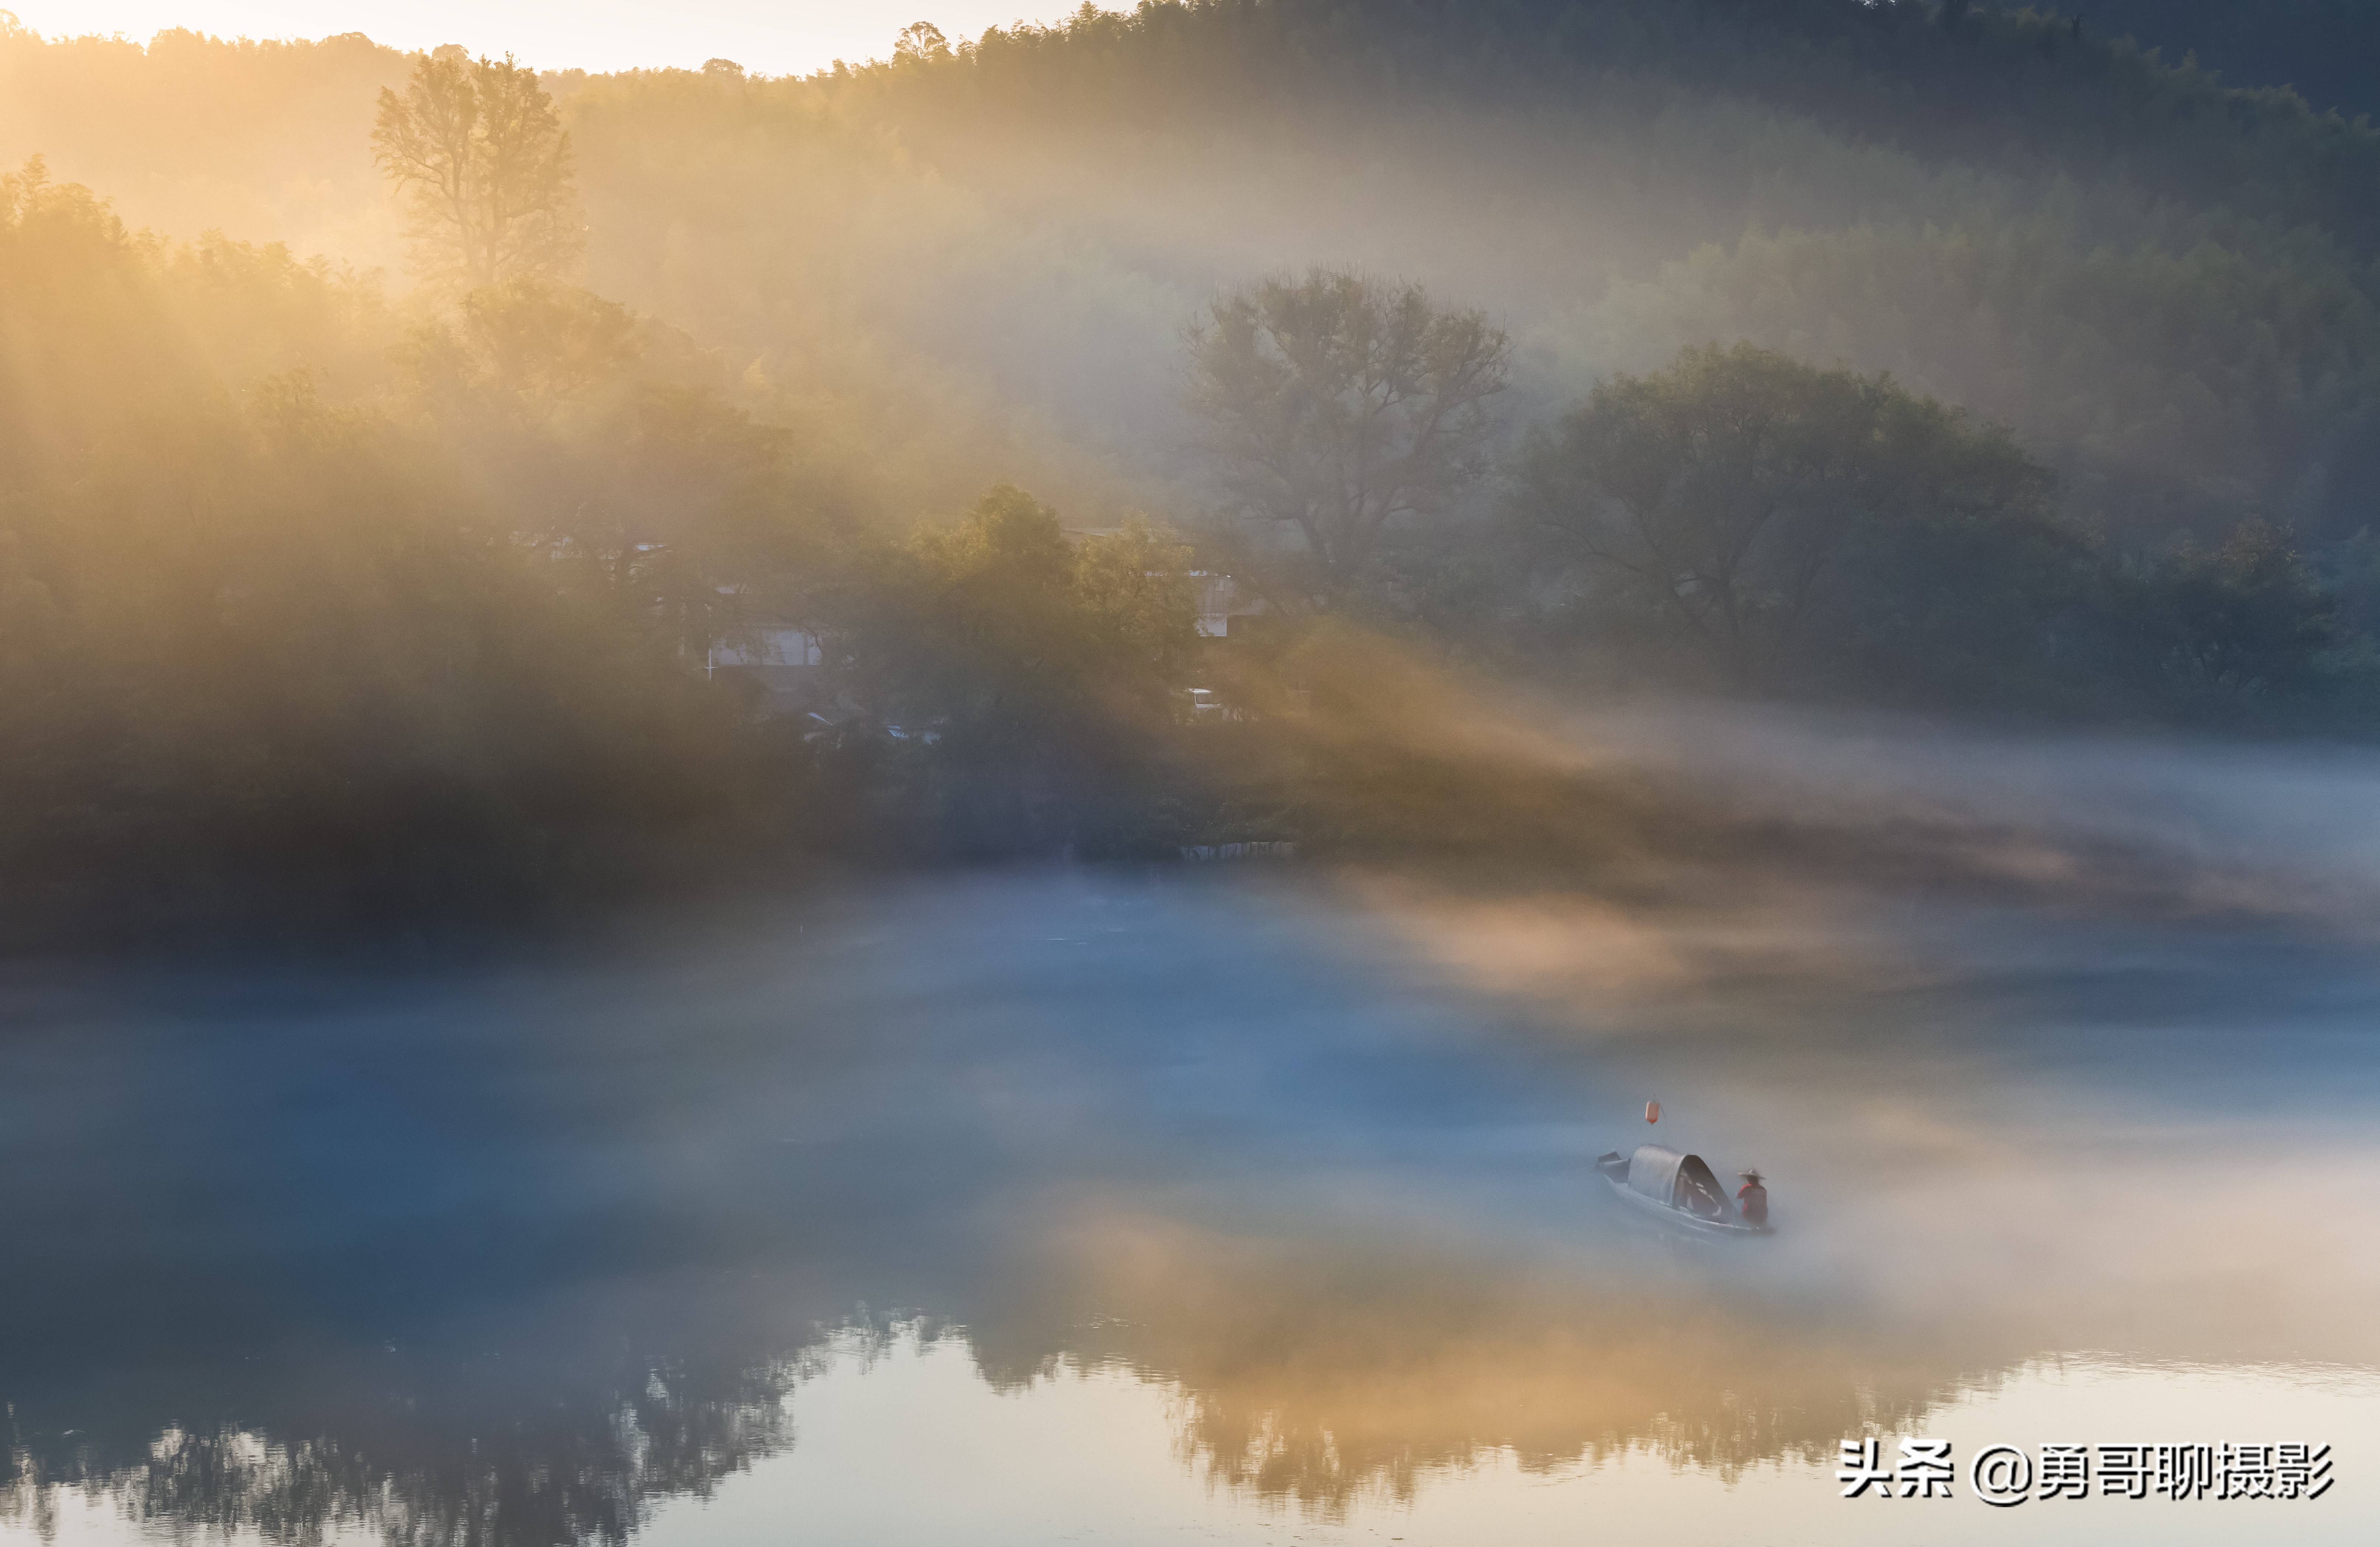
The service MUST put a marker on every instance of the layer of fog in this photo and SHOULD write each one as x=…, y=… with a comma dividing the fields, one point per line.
x=2178, y=828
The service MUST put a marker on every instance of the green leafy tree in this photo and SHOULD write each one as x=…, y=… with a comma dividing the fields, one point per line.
x=1729, y=489
x=1339, y=410
x=480, y=155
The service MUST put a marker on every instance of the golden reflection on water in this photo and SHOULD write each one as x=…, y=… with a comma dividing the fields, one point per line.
x=1316, y=1372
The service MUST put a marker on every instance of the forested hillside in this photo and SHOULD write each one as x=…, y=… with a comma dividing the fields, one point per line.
x=1922, y=355
x=2164, y=284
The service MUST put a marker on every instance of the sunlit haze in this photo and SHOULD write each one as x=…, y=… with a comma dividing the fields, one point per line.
x=793, y=37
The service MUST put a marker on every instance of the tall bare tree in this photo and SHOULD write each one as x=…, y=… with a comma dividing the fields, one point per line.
x=1340, y=407
x=475, y=147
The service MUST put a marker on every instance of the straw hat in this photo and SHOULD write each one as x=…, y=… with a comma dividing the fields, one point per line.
x=1751, y=1176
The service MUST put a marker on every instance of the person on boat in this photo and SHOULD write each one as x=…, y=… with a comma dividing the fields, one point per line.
x=1752, y=1198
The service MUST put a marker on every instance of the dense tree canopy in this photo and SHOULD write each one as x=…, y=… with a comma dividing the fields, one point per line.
x=440, y=646
x=1817, y=531
x=1727, y=492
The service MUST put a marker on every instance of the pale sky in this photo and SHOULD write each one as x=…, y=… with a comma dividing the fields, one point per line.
x=767, y=37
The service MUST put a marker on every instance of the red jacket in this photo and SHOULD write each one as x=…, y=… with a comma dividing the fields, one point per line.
x=1752, y=1198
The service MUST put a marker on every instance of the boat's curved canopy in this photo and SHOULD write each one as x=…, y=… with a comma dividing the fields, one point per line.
x=1663, y=1175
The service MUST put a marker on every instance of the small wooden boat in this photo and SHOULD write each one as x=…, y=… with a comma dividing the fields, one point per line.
x=1678, y=1190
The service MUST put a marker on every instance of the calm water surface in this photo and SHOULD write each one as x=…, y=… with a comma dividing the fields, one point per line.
x=1248, y=1208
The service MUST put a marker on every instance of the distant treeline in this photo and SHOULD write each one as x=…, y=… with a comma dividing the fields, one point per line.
x=1927, y=356
x=2168, y=288
x=2321, y=49
x=972, y=260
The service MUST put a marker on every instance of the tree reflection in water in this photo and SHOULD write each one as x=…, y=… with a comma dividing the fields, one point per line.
x=1320, y=1373
x=567, y=1443
x=1310, y=1369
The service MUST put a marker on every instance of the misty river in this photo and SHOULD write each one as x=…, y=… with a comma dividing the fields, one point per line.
x=1252, y=1203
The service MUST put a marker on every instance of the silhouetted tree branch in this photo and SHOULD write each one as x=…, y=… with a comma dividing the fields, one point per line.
x=481, y=157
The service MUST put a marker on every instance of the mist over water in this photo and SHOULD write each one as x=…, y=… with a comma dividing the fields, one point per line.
x=1255, y=1202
